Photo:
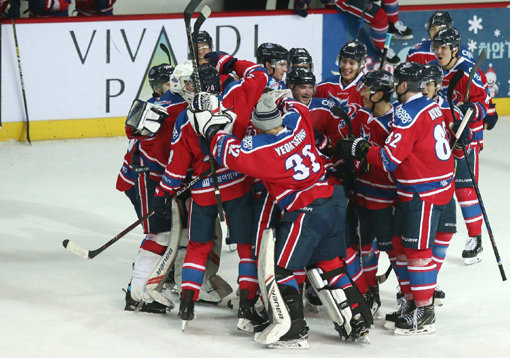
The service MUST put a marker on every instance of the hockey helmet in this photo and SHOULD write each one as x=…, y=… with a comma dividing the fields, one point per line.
x=440, y=19
x=447, y=37
x=379, y=80
x=355, y=50
x=412, y=73
x=180, y=77
x=300, y=57
x=271, y=52
x=203, y=37
x=160, y=74
x=300, y=76
x=433, y=73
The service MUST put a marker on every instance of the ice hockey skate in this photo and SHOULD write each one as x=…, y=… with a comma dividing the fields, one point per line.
x=250, y=320
x=439, y=296
x=472, y=250
x=151, y=307
x=405, y=308
x=399, y=31
x=373, y=300
x=391, y=57
x=295, y=338
x=186, y=308
x=418, y=322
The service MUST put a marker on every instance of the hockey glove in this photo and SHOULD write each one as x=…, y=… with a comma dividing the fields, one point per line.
x=161, y=203
x=491, y=117
x=145, y=118
x=222, y=61
x=207, y=124
x=465, y=137
x=322, y=142
x=465, y=106
x=349, y=148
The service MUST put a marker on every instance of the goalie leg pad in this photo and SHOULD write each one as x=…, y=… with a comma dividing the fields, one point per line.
x=334, y=300
x=273, y=300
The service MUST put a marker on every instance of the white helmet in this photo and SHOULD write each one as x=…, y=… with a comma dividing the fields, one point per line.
x=182, y=74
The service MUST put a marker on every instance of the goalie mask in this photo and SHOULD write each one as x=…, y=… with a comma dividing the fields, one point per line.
x=181, y=81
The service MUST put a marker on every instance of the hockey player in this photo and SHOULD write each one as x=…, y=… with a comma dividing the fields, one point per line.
x=423, y=52
x=381, y=20
x=94, y=7
x=189, y=149
x=351, y=60
x=417, y=152
x=143, y=167
x=284, y=157
x=375, y=188
x=273, y=58
x=446, y=43
x=447, y=222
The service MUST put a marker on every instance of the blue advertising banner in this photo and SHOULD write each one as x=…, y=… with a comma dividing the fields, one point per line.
x=479, y=28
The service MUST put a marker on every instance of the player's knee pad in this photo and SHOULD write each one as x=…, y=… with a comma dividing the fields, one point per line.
x=144, y=265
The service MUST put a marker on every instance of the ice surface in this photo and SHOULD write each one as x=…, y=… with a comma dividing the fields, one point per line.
x=55, y=304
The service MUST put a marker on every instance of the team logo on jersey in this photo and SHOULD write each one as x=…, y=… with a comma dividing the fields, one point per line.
x=247, y=143
x=402, y=115
x=175, y=134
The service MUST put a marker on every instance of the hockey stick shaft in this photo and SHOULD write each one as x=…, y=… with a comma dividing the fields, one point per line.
x=22, y=82
x=362, y=19
x=188, y=12
x=474, y=69
x=90, y=254
x=385, y=52
x=484, y=213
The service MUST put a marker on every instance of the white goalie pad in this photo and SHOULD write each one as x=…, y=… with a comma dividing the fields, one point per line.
x=273, y=300
x=145, y=118
x=334, y=300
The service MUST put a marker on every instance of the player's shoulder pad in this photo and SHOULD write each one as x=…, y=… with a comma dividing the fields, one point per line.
x=405, y=114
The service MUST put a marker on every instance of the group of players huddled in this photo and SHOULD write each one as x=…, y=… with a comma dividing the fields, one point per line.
x=339, y=170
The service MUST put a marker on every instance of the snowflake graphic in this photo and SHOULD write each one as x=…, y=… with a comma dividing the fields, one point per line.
x=497, y=33
x=475, y=24
x=472, y=45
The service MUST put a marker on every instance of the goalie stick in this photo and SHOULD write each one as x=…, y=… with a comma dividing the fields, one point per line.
x=466, y=118
x=90, y=254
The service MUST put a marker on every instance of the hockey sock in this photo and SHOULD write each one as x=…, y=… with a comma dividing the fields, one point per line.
x=471, y=210
x=334, y=272
x=400, y=267
x=354, y=270
x=378, y=29
x=441, y=243
x=247, y=270
x=193, y=268
x=370, y=258
x=391, y=9
x=422, y=275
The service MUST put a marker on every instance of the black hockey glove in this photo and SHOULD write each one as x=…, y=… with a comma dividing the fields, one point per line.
x=465, y=106
x=349, y=148
x=222, y=61
x=490, y=119
x=161, y=203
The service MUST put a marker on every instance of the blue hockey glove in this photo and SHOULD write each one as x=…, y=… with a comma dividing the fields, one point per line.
x=491, y=117
x=222, y=61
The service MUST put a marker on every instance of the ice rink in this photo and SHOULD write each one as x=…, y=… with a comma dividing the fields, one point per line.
x=55, y=304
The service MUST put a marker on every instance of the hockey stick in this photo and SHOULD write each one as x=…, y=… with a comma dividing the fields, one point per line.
x=451, y=87
x=166, y=51
x=474, y=70
x=385, y=53
x=362, y=19
x=90, y=254
x=188, y=13
x=21, y=80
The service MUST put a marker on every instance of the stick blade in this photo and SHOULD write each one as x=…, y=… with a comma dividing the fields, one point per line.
x=75, y=249
x=191, y=7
